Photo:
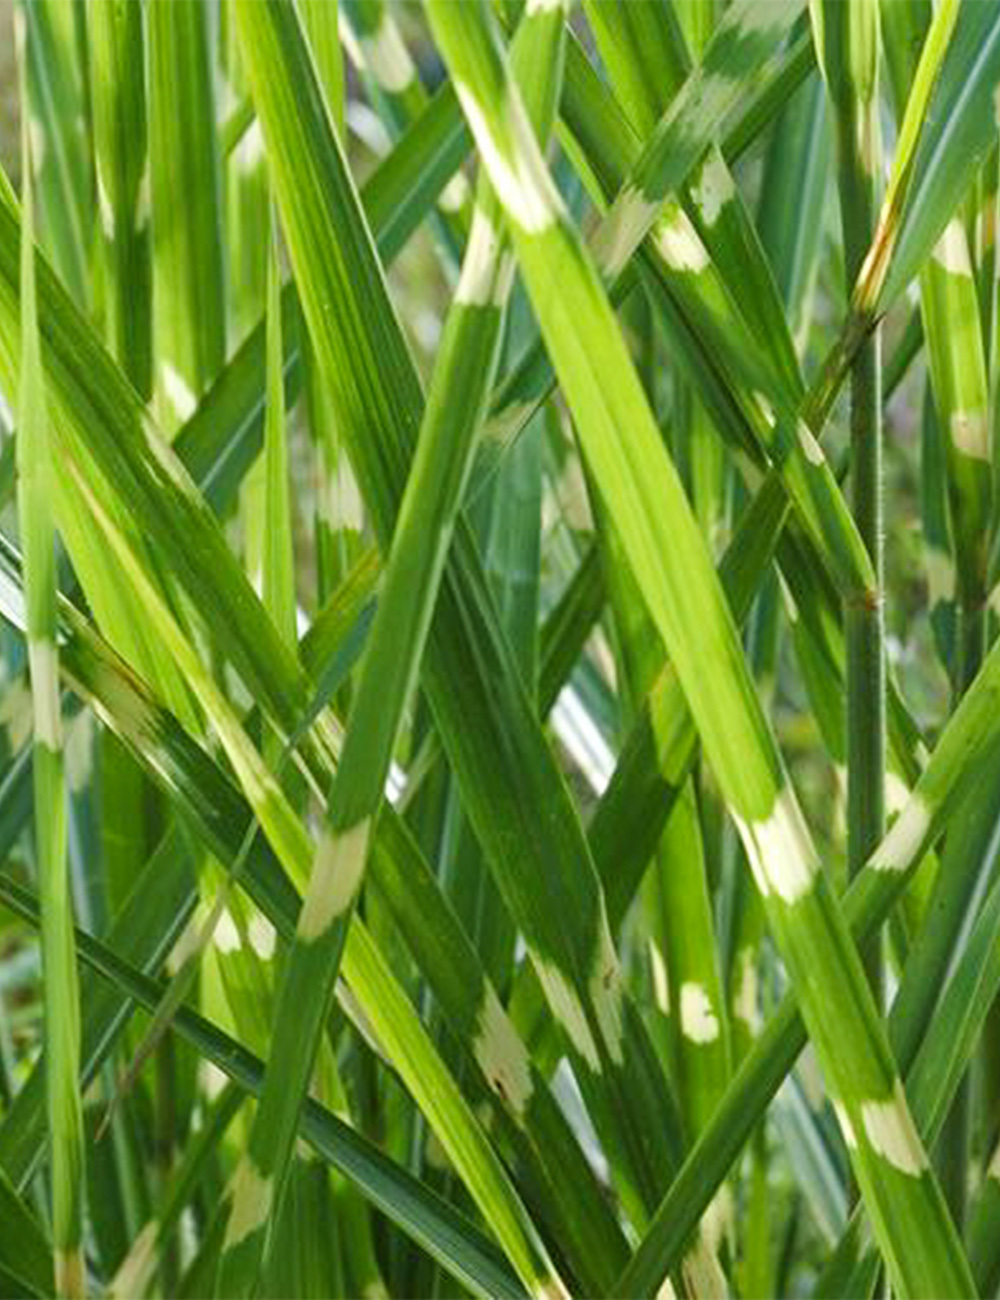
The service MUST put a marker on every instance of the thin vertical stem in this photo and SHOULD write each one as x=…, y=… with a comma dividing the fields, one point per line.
x=865, y=628
x=64, y=1107
x=953, y=1145
x=849, y=41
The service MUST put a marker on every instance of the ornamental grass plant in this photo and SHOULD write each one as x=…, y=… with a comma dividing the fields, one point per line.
x=499, y=677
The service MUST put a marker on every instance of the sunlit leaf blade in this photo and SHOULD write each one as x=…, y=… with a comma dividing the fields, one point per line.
x=115, y=32
x=957, y=129
x=189, y=325
x=53, y=102
x=278, y=576
x=62, y=999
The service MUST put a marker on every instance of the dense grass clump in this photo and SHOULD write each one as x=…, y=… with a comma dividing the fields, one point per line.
x=500, y=750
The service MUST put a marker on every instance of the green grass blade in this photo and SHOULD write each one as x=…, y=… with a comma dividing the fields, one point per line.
x=959, y=383
x=54, y=105
x=321, y=23
x=222, y=437
x=449, y=1114
x=957, y=357
x=797, y=166
x=91, y=402
x=372, y=981
x=278, y=578
x=115, y=38
x=644, y=50
x=587, y=1230
x=374, y=40
x=62, y=1004
x=712, y=199
x=528, y=677
x=682, y=918
x=25, y=1252
x=246, y=229
x=748, y=398
x=847, y=38
x=189, y=337
x=951, y=128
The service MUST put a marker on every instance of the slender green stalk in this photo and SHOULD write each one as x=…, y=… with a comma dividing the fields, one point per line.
x=847, y=38
x=278, y=577
x=959, y=381
x=61, y=992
